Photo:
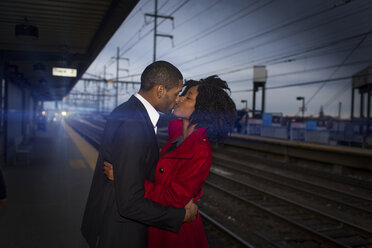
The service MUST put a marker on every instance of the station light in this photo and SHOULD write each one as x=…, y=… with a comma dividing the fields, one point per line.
x=26, y=31
x=64, y=113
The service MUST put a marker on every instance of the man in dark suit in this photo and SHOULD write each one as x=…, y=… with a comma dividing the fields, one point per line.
x=117, y=214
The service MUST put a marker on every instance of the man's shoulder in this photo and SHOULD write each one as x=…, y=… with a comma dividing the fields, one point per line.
x=129, y=110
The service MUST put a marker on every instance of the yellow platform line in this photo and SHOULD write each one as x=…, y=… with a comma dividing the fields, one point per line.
x=87, y=150
x=77, y=163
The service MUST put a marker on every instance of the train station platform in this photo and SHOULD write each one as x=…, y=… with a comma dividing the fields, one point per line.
x=47, y=191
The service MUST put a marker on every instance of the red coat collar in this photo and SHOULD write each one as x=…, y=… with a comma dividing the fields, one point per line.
x=187, y=147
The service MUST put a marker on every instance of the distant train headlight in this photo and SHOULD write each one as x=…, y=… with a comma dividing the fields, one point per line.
x=64, y=113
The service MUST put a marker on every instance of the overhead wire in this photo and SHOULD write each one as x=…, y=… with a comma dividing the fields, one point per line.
x=297, y=84
x=177, y=26
x=217, y=26
x=337, y=95
x=221, y=49
x=304, y=71
x=268, y=31
x=162, y=21
x=149, y=31
x=363, y=38
x=244, y=67
x=303, y=18
x=285, y=56
x=112, y=61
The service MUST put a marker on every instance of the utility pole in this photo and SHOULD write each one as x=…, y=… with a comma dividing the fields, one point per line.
x=156, y=16
x=104, y=88
x=117, y=76
x=155, y=26
x=339, y=110
x=98, y=96
x=116, y=85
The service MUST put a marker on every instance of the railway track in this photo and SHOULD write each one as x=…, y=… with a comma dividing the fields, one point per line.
x=234, y=150
x=357, y=207
x=318, y=226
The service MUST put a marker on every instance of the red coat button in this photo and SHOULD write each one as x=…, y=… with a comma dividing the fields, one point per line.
x=161, y=170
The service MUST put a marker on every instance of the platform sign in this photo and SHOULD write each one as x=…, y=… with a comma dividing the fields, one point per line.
x=311, y=125
x=267, y=120
x=64, y=72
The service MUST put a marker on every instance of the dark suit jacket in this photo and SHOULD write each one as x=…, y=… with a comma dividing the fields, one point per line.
x=117, y=214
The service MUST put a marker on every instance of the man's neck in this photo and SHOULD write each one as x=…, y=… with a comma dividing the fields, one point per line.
x=147, y=97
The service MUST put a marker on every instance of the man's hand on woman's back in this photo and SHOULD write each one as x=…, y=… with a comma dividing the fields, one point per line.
x=191, y=211
x=108, y=170
x=191, y=208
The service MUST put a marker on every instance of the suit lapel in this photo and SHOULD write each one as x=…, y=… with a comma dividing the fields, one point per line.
x=146, y=117
x=150, y=134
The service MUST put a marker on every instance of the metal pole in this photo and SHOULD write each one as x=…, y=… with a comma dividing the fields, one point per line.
x=368, y=109
x=339, y=110
x=98, y=96
x=303, y=108
x=155, y=25
x=369, y=104
x=104, y=88
x=117, y=76
x=263, y=99
x=254, y=100
x=361, y=105
x=352, y=103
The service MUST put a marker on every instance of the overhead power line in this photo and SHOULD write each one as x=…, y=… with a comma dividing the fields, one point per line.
x=337, y=68
x=244, y=67
x=150, y=31
x=217, y=26
x=303, y=71
x=261, y=44
x=270, y=60
x=269, y=31
x=337, y=95
x=298, y=84
x=208, y=8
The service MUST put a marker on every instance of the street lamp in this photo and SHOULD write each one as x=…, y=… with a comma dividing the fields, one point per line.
x=246, y=103
x=301, y=98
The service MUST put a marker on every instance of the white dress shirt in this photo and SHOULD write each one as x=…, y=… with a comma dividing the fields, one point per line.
x=151, y=111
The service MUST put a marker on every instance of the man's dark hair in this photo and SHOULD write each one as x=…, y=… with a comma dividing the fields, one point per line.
x=160, y=73
x=214, y=108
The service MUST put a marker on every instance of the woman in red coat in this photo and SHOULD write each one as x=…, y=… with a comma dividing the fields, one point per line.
x=206, y=113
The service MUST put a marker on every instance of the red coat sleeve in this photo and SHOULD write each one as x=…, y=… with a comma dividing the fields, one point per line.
x=186, y=184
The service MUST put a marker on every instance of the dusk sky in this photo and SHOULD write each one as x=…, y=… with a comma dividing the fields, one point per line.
x=297, y=41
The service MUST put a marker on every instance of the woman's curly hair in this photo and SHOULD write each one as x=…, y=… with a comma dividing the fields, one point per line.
x=214, y=108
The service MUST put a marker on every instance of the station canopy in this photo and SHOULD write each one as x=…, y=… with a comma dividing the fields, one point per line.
x=39, y=38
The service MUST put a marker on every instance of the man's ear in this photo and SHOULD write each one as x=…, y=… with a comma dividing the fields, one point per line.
x=160, y=91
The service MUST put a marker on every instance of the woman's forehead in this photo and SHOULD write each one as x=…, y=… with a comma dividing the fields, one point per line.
x=191, y=90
